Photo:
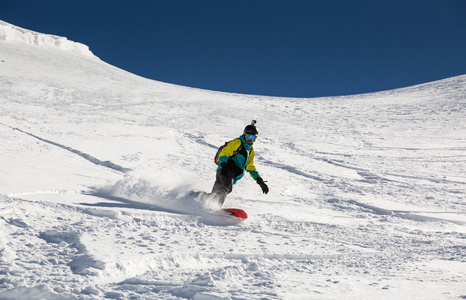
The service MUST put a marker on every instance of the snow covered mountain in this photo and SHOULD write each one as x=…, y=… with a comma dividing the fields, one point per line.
x=367, y=192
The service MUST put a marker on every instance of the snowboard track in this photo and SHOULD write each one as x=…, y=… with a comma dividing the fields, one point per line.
x=88, y=157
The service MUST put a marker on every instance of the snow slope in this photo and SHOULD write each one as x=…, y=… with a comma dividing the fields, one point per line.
x=367, y=192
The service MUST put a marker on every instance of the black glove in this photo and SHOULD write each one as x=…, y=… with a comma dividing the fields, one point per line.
x=264, y=187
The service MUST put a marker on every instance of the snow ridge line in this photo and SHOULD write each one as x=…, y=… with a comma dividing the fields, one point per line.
x=286, y=256
x=45, y=192
x=88, y=157
x=292, y=170
x=403, y=214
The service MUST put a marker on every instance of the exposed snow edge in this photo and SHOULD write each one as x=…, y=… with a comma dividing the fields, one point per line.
x=11, y=33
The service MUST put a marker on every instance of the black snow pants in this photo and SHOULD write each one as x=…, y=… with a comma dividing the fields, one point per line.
x=223, y=186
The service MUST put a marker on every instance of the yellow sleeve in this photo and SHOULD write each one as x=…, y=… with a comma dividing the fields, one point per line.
x=250, y=165
x=228, y=151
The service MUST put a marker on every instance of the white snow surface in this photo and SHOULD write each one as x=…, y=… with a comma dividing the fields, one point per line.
x=367, y=192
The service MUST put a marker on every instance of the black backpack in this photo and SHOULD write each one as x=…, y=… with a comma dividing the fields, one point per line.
x=217, y=155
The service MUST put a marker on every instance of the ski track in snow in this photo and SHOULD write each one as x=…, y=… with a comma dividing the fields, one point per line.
x=366, y=192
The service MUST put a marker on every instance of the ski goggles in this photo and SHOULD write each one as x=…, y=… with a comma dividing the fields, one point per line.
x=251, y=137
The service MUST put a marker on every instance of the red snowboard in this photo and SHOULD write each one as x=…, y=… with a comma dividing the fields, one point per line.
x=238, y=213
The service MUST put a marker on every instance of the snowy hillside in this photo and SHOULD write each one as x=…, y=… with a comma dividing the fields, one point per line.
x=367, y=192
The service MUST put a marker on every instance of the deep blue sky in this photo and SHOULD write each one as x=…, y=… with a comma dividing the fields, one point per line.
x=289, y=48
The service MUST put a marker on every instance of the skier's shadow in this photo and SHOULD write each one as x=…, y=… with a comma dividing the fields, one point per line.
x=119, y=202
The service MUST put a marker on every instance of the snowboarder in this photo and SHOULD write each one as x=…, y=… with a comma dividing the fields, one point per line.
x=236, y=157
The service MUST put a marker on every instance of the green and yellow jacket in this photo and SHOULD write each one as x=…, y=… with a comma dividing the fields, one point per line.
x=239, y=161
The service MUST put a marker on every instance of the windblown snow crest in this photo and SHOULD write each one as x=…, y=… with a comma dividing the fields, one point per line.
x=11, y=33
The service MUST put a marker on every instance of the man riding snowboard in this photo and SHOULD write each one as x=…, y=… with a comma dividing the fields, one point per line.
x=234, y=158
